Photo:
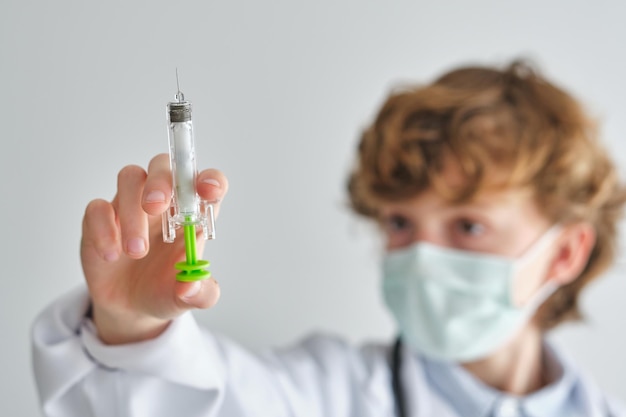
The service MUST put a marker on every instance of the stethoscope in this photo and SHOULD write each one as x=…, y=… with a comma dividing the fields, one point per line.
x=396, y=380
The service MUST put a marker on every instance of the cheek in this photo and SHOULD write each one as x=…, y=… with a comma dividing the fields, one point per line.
x=528, y=280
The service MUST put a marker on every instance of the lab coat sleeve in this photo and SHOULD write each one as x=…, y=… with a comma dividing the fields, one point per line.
x=59, y=359
x=77, y=375
x=191, y=372
x=322, y=376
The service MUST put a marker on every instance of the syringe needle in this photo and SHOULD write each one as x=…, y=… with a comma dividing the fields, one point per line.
x=179, y=95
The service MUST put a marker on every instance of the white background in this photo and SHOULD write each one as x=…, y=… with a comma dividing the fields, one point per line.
x=281, y=91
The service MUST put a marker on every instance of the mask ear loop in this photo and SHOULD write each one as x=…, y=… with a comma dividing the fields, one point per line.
x=543, y=293
x=547, y=289
x=539, y=245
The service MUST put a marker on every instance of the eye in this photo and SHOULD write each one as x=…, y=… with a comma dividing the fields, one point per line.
x=398, y=230
x=396, y=223
x=469, y=227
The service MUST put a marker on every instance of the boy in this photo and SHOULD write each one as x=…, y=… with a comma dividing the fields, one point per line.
x=497, y=206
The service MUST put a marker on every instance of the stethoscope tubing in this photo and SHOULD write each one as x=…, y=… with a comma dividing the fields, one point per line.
x=396, y=378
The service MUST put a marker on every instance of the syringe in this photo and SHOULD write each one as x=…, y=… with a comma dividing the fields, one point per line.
x=187, y=209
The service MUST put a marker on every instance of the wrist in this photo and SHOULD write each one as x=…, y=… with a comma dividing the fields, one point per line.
x=117, y=329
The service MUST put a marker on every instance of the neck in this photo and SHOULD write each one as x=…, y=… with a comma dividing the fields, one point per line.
x=517, y=368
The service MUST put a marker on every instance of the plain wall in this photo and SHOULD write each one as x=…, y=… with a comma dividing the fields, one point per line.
x=281, y=91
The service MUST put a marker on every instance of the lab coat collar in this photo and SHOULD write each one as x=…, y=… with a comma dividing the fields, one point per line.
x=554, y=398
x=472, y=398
x=466, y=394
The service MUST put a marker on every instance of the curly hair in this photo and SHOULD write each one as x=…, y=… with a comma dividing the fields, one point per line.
x=534, y=133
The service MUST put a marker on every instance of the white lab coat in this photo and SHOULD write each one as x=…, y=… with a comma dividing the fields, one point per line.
x=192, y=373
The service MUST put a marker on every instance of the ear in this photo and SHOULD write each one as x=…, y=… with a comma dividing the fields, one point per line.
x=573, y=249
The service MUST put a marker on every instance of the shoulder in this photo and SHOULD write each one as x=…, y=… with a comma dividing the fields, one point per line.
x=615, y=408
x=587, y=392
x=598, y=401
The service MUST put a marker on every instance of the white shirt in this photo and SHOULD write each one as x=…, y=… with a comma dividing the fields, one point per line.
x=191, y=372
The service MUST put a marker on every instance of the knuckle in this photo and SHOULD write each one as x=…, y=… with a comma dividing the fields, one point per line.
x=98, y=227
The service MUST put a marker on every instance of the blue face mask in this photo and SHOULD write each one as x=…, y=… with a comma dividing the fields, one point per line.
x=457, y=305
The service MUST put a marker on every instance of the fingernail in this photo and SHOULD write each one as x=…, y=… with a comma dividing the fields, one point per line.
x=136, y=246
x=192, y=289
x=155, y=197
x=211, y=181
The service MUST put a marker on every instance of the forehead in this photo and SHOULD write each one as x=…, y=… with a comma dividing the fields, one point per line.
x=515, y=205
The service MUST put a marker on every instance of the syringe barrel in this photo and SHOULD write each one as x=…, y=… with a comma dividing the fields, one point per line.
x=187, y=208
x=182, y=157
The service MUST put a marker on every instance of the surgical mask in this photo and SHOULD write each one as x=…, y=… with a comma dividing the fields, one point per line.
x=457, y=305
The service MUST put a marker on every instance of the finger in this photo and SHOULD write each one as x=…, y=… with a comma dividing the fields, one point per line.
x=212, y=186
x=157, y=192
x=100, y=230
x=133, y=219
x=198, y=294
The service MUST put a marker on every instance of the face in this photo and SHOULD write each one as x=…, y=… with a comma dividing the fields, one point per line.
x=504, y=223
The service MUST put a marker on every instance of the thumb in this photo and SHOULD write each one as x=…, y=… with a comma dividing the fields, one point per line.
x=198, y=294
